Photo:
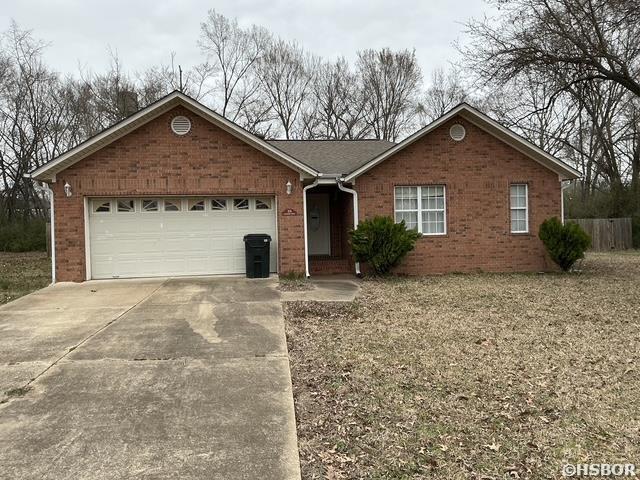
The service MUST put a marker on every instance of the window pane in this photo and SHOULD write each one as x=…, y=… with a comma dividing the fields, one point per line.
x=407, y=192
x=172, y=205
x=410, y=192
x=241, y=203
x=410, y=219
x=518, y=214
x=101, y=206
x=126, y=206
x=219, y=204
x=196, y=205
x=518, y=201
x=263, y=204
x=410, y=204
x=149, y=205
x=518, y=225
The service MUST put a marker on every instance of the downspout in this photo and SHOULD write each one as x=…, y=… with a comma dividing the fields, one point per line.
x=53, y=231
x=304, y=216
x=563, y=186
x=355, y=214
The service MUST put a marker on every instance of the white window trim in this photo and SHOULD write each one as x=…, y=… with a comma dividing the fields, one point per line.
x=177, y=202
x=196, y=200
x=236, y=209
x=264, y=200
x=159, y=205
x=525, y=208
x=218, y=210
x=420, y=209
x=102, y=200
x=117, y=209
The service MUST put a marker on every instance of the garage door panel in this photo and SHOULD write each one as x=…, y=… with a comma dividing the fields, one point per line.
x=138, y=244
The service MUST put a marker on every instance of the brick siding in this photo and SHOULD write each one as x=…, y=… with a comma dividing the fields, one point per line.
x=477, y=173
x=152, y=160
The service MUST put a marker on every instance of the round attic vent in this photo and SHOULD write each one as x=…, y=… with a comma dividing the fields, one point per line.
x=180, y=125
x=457, y=132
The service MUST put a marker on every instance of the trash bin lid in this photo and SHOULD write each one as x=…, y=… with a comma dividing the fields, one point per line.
x=257, y=237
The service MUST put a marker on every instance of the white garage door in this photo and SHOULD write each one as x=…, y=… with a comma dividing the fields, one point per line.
x=146, y=237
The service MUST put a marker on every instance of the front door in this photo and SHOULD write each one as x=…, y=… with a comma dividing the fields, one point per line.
x=318, y=224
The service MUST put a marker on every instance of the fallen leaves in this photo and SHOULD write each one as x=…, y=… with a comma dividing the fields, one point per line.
x=469, y=376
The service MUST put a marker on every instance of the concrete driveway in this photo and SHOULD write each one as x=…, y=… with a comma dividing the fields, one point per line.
x=149, y=379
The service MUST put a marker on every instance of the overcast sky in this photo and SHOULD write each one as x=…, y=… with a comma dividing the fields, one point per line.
x=144, y=32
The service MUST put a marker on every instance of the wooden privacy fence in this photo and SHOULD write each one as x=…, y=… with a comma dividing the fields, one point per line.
x=607, y=233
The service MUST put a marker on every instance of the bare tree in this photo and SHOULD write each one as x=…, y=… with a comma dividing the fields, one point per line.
x=336, y=108
x=284, y=73
x=389, y=82
x=33, y=121
x=445, y=92
x=159, y=80
x=113, y=94
x=578, y=40
x=571, y=71
x=234, y=52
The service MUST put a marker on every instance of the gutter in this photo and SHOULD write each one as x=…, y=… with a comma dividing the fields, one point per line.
x=46, y=187
x=563, y=186
x=355, y=214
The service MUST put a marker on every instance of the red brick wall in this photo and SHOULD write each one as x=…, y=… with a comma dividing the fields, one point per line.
x=153, y=161
x=477, y=173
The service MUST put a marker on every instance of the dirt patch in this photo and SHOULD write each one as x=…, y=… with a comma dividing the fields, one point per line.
x=295, y=285
x=22, y=273
x=471, y=376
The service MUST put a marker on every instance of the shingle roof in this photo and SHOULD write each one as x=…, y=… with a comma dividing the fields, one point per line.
x=333, y=156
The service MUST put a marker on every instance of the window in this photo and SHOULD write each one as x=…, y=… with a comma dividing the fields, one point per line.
x=433, y=211
x=407, y=206
x=196, y=205
x=218, y=204
x=263, y=204
x=241, y=204
x=126, y=206
x=422, y=208
x=519, y=208
x=149, y=205
x=172, y=205
x=101, y=206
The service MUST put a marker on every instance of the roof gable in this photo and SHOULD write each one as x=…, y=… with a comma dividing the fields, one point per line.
x=49, y=170
x=485, y=123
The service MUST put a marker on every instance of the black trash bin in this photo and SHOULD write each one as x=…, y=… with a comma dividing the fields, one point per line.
x=256, y=248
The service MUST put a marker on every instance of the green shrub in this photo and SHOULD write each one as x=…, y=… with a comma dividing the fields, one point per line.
x=382, y=243
x=566, y=244
x=23, y=236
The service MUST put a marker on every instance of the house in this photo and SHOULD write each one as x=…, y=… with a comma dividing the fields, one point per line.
x=172, y=190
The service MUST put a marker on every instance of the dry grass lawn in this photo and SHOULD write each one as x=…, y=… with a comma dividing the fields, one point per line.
x=22, y=273
x=471, y=376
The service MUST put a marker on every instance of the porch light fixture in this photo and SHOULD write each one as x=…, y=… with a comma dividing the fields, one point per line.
x=289, y=187
x=67, y=189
